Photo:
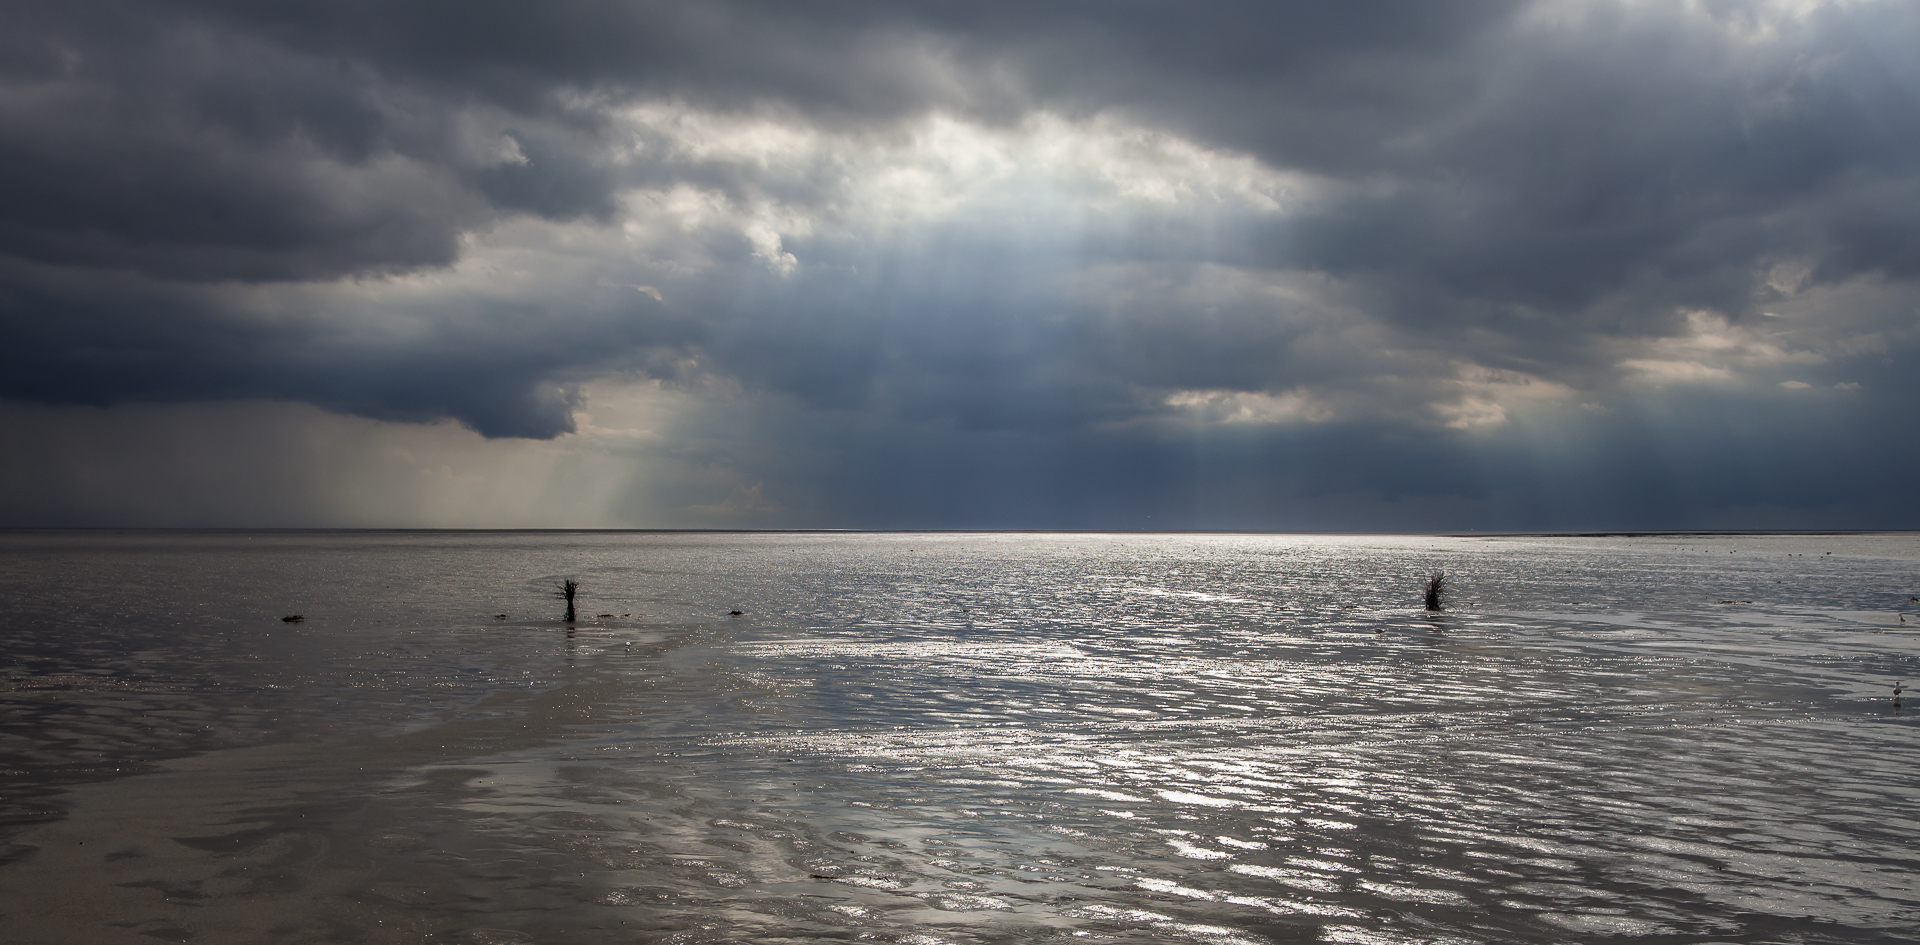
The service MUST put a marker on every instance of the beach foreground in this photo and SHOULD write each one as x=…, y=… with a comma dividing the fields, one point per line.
x=957, y=738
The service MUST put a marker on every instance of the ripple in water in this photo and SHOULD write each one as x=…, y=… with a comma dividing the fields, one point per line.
x=962, y=738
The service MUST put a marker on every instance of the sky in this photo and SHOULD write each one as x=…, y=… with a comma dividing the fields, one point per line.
x=1370, y=266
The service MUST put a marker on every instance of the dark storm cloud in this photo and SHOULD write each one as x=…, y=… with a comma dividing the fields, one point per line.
x=1645, y=147
x=289, y=141
x=1457, y=212
x=99, y=338
x=1696, y=463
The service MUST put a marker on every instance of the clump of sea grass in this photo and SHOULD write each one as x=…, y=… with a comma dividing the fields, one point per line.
x=1437, y=590
x=567, y=589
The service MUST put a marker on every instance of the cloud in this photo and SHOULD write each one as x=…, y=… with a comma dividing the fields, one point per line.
x=1227, y=406
x=995, y=263
x=263, y=464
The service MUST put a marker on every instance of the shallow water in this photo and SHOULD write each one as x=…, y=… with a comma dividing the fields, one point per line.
x=955, y=738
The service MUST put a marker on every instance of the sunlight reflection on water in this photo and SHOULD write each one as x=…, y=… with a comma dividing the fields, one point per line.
x=1109, y=738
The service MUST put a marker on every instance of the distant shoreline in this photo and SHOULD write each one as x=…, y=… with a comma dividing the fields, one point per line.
x=295, y=529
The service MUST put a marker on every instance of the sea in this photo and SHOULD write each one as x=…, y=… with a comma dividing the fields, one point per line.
x=927, y=738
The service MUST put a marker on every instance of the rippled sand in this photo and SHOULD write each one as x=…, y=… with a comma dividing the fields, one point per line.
x=920, y=739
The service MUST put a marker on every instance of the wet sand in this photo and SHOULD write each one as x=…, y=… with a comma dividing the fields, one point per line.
x=337, y=839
